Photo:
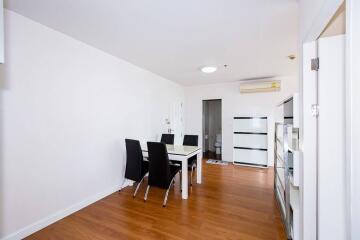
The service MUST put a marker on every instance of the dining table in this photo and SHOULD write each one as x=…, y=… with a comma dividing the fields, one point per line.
x=181, y=154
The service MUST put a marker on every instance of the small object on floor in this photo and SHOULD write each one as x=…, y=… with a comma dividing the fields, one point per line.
x=217, y=162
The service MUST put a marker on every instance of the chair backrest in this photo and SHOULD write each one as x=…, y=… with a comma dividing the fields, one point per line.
x=159, y=166
x=134, y=160
x=191, y=140
x=167, y=138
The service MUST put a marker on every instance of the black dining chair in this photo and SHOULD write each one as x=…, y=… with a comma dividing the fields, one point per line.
x=161, y=172
x=136, y=167
x=167, y=138
x=191, y=140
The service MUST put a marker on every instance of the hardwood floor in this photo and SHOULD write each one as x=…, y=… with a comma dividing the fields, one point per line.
x=232, y=203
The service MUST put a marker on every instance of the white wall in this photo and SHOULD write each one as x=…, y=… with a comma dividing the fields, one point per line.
x=235, y=104
x=65, y=111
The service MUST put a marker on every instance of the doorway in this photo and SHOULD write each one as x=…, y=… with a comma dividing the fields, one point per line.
x=212, y=129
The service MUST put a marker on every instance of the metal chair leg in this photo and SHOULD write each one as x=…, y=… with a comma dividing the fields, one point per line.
x=191, y=175
x=167, y=192
x=180, y=172
x=137, y=187
x=146, y=193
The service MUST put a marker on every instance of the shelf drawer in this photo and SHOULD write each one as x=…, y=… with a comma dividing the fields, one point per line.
x=250, y=141
x=255, y=125
x=251, y=157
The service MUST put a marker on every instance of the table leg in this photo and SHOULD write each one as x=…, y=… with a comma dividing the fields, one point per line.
x=184, y=172
x=199, y=168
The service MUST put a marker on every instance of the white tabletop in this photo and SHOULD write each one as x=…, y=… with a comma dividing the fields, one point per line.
x=176, y=149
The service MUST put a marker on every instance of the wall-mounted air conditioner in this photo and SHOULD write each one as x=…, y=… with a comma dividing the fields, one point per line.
x=260, y=86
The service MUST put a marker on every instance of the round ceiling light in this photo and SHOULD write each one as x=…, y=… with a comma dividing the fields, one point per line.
x=208, y=69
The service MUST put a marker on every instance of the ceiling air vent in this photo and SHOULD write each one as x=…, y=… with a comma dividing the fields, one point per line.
x=259, y=86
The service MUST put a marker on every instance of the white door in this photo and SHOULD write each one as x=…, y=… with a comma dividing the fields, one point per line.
x=177, y=121
x=323, y=186
x=331, y=139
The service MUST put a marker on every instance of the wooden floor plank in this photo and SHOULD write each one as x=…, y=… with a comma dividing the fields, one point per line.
x=234, y=202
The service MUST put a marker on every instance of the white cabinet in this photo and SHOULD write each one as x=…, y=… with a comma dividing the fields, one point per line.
x=250, y=141
x=287, y=167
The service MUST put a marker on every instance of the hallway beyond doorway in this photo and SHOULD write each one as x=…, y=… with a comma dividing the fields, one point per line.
x=212, y=128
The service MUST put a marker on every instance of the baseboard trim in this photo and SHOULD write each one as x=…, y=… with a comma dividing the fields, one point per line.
x=254, y=165
x=32, y=228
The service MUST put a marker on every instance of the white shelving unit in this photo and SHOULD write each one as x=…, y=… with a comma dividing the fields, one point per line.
x=279, y=166
x=287, y=165
x=295, y=177
x=288, y=111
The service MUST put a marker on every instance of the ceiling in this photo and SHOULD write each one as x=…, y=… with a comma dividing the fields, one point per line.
x=175, y=38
